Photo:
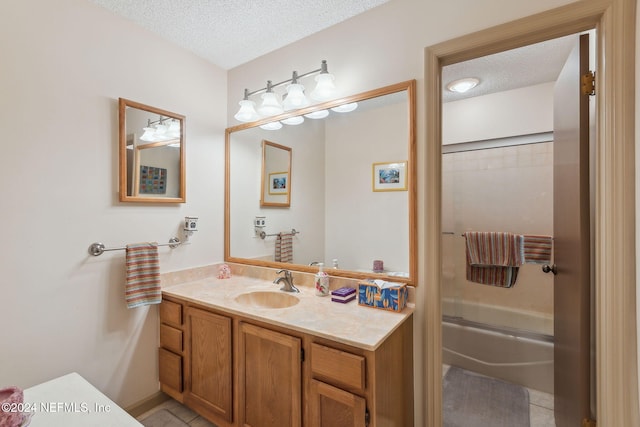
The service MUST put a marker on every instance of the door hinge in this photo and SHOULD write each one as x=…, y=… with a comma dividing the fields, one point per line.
x=589, y=83
x=367, y=416
x=302, y=354
x=587, y=422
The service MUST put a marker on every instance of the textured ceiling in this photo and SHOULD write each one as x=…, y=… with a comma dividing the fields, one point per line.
x=231, y=32
x=526, y=66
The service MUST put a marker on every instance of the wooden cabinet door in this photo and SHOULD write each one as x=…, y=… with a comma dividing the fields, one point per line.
x=270, y=378
x=332, y=407
x=209, y=364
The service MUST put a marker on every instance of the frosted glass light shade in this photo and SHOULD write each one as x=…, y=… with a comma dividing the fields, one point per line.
x=293, y=120
x=270, y=105
x=318, y=114
x=345, y=108
x=148, y=135
x=295, y=98
x=174, y=129
x=247, y=111
x=325, y=89
x=271, y=126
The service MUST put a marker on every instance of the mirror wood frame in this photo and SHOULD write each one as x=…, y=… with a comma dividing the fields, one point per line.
x=263, y=176
x=122, y=140
x=408, y=86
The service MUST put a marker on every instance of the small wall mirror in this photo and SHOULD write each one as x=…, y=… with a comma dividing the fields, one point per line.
x=333, y=212
x=152, y=154
x=276, y=175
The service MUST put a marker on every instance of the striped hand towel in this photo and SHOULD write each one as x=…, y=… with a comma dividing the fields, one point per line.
x=143, y=275
x=284, y=247
x=537, y=249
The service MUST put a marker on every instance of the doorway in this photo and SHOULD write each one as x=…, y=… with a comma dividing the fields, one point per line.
x=503, y=155
x=616, y=371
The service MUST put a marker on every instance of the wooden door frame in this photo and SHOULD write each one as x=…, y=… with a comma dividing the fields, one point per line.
x=615, y=218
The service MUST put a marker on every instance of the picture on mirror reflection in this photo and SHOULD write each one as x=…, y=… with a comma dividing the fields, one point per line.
x=153, y=180
x=278, y=182
x=389, y=176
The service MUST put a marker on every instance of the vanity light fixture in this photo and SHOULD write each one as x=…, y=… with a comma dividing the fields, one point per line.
x=463, y=85
x=295, y=97
x=158, y=130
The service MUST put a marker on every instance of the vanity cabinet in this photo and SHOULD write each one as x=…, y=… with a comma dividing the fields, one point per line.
x=270, y=372
x=209, y=368
x=333, y=407
x=243, y=372
x=171, y=351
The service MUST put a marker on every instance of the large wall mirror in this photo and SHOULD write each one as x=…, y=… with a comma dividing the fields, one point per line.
x=152, y=154
x=340, y=218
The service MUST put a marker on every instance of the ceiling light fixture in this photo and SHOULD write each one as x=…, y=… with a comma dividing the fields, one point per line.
x=294, y=99
x=463, y=85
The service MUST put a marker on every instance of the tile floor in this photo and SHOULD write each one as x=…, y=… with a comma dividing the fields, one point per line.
x=540, y=412
x=540, y=406
x=183, y=416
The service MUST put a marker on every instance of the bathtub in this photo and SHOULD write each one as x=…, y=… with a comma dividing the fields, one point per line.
x=521, y=356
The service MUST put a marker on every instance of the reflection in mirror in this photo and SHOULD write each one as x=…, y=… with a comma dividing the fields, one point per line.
x=152, y=154
x=340, y=219
x=276, y=175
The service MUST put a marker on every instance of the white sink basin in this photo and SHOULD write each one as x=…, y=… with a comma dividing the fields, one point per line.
x=267, y=299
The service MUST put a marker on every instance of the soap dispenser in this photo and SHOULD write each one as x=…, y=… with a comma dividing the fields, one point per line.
x=321, y=281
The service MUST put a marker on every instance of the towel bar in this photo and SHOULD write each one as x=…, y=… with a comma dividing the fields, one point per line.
x=263, y=234
x=97, y=248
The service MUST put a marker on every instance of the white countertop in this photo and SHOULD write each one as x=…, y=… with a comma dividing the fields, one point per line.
x=351, y=324
x=71, y=401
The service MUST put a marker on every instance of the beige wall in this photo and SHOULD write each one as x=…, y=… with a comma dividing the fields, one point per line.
x=64, y=65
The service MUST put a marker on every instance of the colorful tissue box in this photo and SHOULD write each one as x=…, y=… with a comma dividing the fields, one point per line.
x=343, y=295
x=393, y=298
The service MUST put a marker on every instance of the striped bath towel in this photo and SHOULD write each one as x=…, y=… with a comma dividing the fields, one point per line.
x=493, y=258
x=143, y=275
x=537, y=249
x=284, y=247
x=493, y=248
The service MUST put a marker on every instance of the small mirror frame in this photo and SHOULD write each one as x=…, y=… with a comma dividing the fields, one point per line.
x=122, y=138
x=264, y=181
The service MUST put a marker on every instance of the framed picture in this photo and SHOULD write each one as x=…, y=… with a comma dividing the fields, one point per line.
x=153, y=180
x=279, y=183
x=390, y=176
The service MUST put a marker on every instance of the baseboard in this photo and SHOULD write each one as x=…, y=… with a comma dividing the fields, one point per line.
x=147, y=404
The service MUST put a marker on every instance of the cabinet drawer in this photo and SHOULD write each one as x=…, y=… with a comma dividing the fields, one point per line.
x=170, y=365
x=338, y=367
x=171, y=338
x=171, y=313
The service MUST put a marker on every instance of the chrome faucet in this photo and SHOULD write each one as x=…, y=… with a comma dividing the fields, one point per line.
x=288, y=281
